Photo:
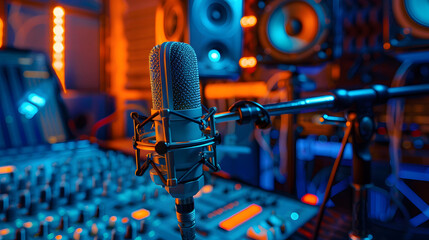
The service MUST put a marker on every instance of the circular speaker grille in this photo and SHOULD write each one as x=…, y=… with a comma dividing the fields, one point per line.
x=292, y=30
x=170, y=21
x=413, y=16
x=215, y=17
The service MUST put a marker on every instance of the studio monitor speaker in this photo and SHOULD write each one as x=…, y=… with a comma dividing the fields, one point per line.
x=408, y=24
x=211, y=27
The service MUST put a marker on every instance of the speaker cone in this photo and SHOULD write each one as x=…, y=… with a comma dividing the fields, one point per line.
x=170, y=21
x=413, y=16
x=292, y=30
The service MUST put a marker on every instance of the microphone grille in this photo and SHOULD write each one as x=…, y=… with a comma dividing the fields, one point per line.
x=184, y=77
x=155, y=77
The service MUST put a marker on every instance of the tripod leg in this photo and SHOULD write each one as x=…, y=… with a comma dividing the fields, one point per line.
x=349, y=125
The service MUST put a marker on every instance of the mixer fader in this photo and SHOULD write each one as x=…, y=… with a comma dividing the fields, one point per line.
x=77, y=191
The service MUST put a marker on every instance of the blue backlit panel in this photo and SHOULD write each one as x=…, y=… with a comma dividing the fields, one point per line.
x=31, y=112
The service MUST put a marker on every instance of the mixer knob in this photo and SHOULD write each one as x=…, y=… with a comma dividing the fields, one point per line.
x=4, y=202
x=115, y=235
x=143, y=226
x=45, y=194
x=43, y=229
x=22, y=182
x=40, y=175
x=20, y=234
x=11, y=213
x=24, y=199
x=94, y=230
x=98, y=211
x=34, y=208
x=83, y=216
x=64, y=222
x=131, y=230
x=283, y=228
x=64, y=190
x=79, y=234
x=112, y=222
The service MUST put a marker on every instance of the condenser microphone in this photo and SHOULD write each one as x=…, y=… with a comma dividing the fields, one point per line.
x=176, y=98
x=175, y=87
x=183, y=138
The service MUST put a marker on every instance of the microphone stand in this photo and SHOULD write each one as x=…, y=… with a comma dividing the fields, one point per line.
x=361, y=129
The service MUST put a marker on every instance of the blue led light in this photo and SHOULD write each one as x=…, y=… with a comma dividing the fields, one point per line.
x=28, y=110
x=214, y=55
x=51, y=235
x=37, y=100
x=294, y=216
x=418, y=143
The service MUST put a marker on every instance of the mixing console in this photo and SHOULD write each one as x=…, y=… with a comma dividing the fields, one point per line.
x=75, y=190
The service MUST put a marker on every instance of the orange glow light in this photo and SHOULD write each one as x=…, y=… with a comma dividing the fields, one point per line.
x=113, y=219
x=240, y=217
x=28, y=224
x=49, y=219
x=386, y=46
x=310, y=199
x=58, y=45
x=1, y=32
x=248, y=21
x=5, y=231
x=125, y=220
x=59, y=237
x=140, y=214
x=79, y=230
x=207, y=189
x=58, y=12
x=7, y=169
x=247, y=62
x=236, y=90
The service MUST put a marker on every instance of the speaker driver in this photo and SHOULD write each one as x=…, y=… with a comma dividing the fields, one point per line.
x=170, y=24
x=291, y=31
x=413, y=16
x=213, y=16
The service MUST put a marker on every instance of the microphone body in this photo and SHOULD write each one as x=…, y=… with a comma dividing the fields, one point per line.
x=175, y=87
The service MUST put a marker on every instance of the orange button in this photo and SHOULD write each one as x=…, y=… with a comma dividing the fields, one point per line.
x=240, y=217
x=140, y=214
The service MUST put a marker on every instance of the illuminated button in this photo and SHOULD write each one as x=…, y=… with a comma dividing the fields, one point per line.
x=112, y=221
x=310, y=199
x=7, y=169
x=294, y=216
x=207, y=189
x=240, y=217
x=4, y=232
x=140, y=214
x=77, y=234
x=59, y=237
x=94, y=229
x=214, y=55
x=28, y=224
x=37, y=100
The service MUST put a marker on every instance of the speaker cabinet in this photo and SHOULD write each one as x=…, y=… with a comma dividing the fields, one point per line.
x=408, y=24
x=297, y=31
x=171, y=22
x=211, y=27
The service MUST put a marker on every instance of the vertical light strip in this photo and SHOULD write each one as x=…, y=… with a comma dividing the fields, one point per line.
x=58, y=60
x=1, y=32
